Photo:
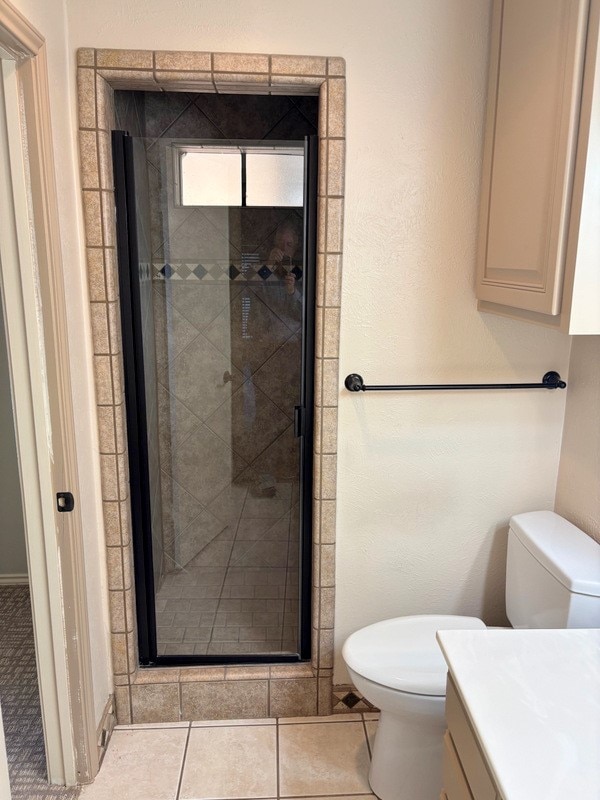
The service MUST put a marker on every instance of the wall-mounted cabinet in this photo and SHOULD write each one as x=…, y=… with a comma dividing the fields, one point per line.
x=539, y=239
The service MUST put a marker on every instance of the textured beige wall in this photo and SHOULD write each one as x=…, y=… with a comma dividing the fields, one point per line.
x=49, y=17
x=578, y=489
x=426, y=483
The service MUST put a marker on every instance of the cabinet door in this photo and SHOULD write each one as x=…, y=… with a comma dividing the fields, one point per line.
x=536, y=64
x=467, y=747
x=455, y=783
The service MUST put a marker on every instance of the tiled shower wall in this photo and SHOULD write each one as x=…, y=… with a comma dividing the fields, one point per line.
x=189, y=296
x=172, y=694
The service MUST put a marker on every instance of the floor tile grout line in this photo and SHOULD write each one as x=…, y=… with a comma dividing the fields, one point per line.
x=325, y=722
x=302, y=796
x=233, y=541
x=364, y=724
x=230, y=565
x=319, y=796
x=277, y=757
x=260, y=725
x=185, y=749
x=249, y=549
x=150, y=726
x=285, y=721
x=326, y=795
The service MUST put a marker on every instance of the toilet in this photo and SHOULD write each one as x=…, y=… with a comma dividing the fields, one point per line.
x=552, y=581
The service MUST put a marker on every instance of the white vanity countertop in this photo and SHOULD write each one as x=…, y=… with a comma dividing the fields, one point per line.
x=533, y=697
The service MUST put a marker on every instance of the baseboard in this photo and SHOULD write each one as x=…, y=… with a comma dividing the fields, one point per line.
x=14, y=579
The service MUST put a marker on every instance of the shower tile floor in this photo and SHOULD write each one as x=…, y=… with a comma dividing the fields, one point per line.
x=240, y=594
x=317, y=757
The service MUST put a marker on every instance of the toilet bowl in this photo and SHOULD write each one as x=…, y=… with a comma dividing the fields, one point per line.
x=552, y=581
x=397, y=665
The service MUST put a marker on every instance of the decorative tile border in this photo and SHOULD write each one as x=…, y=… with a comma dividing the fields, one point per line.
x=224, y=272
x=236, y=692
x=347, y=700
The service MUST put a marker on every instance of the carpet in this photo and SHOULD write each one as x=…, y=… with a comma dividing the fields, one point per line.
x=20, y=701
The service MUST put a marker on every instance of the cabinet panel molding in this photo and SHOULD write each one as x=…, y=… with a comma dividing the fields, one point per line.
x=534, y=95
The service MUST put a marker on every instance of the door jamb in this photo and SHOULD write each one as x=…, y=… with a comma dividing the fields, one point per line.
x=32, y=279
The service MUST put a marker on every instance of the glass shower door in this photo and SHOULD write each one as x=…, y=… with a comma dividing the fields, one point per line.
x=220, y=364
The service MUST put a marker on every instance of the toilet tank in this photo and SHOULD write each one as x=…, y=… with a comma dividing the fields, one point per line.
x=552, y=573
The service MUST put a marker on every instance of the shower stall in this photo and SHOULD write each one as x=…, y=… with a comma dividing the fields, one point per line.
x=216, y=250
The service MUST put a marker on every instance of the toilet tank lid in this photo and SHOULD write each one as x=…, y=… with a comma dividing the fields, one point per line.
x=564, y=550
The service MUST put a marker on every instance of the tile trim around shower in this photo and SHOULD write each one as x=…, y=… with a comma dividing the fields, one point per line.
x=173, y=694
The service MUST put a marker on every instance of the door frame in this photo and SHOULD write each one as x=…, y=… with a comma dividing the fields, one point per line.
x=37, y=342
x=290, y=689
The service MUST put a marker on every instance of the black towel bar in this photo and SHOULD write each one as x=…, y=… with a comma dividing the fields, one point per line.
x=551, y=380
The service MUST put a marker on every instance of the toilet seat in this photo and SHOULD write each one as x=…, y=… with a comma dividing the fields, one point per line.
x=403, y=654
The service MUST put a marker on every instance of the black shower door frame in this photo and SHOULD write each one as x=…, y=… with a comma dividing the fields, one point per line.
x=135, y=405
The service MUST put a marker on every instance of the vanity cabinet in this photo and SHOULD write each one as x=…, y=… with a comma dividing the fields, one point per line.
x=539, y=232
x=465, y=772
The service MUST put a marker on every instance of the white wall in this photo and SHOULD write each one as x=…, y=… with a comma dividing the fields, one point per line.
x=578, y=489
x=13, y=554
x=49, y=17
x=426, y=482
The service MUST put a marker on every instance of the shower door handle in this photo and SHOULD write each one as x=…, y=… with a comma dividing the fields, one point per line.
x=298, y=421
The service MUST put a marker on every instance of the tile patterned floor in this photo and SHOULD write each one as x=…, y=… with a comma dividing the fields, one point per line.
x=240, y=595
x=305, y=757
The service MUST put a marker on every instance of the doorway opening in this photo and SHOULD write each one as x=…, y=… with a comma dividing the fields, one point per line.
x=216, y=213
